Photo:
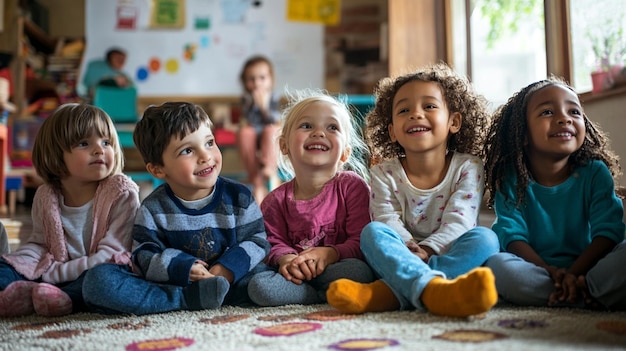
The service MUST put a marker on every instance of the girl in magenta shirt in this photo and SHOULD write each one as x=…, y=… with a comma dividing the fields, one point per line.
x=314, y=221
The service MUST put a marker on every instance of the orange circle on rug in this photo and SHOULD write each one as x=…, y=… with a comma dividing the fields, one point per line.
x=227, y=318
x=160, y=344
x=288, y=329
x=469, y=335
x=328, y=315
x=614, y=327
x=363, y=344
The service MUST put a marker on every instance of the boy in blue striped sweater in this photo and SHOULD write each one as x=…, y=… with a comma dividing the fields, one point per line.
x=198, y=237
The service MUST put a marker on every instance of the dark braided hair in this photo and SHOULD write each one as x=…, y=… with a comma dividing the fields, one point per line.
x=506, y=153
x=459, y=97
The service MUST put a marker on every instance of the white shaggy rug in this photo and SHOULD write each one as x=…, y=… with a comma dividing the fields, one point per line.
x=319, y=327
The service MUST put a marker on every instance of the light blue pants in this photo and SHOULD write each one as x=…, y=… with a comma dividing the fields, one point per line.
x=407, y=275
x=270, y=288
x=523, y=283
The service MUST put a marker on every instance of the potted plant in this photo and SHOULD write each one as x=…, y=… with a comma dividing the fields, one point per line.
x=609, y=48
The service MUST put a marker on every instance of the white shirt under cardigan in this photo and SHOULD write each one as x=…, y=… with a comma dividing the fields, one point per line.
x=431, y=217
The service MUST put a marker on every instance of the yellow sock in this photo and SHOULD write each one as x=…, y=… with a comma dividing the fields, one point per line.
x=467, y=295
x=351, y=297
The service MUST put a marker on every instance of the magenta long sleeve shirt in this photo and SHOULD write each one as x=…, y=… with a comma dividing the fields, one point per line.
x=333, y=218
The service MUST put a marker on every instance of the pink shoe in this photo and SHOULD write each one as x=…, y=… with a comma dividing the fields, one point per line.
x=16, y=300
x=50, y=301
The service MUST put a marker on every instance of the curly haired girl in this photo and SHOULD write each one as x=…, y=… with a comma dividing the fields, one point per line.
x=425, y=133
x=552, y=178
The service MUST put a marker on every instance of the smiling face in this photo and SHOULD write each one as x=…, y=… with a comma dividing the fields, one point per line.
x=90, y=160
x=421, y=121
x=316, y=139
x=556, y=124
x=190, y=165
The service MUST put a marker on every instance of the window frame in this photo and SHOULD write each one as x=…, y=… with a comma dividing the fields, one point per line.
x=558, y=39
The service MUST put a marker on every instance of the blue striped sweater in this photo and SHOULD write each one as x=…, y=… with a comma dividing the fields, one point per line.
x=169, y=237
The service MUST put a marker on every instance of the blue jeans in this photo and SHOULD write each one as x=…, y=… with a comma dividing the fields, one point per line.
x=74, y=289
x=111, y=288
x=523, y=283
x=407, y=275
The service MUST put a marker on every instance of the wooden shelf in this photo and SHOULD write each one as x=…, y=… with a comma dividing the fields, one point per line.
x=38, y=38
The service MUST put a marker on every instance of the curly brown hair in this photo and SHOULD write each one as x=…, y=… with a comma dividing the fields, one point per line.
x=506, y=153
x=459, y=97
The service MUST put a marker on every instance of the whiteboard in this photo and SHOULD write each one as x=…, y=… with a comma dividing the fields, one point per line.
x=205, y=55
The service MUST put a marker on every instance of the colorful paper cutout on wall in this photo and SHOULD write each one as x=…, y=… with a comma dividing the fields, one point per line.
x=154, y=64
x=204, y=42
x=167, y=14
x=127, y=17
x=233, y=11
x=202, y=23
x=171, y=66
x=142, y=74
x=189, y=52
x=317, y=11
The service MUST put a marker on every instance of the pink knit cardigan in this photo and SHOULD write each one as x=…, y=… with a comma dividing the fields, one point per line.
x=49, y=260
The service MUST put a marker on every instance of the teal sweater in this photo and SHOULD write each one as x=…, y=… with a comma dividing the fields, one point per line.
x=559, y=222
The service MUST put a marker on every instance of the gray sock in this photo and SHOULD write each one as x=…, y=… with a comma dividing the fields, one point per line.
x=206, y=294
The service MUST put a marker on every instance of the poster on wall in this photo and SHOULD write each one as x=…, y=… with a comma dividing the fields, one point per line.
x=321, y=11
x=202, y=52
x=167, y=14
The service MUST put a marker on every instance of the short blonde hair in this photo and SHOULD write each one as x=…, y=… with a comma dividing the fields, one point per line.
x=65, y=127
x=301, y=99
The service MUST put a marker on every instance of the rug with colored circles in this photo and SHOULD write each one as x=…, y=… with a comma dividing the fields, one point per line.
x=319, y=327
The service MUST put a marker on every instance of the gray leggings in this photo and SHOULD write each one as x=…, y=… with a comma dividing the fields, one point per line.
x=523, y=283
x=4, y=240
x=270, y=288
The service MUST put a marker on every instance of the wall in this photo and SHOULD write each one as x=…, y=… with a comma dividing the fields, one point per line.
x=205, y=54
x=609, y=111
x=66, y=17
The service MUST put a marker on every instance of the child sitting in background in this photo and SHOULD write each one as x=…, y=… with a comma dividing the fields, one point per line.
x=426, y=132
x=552, y=178
x=82, y=214
x=315, y=220
x=198, y=236
x=259, y=124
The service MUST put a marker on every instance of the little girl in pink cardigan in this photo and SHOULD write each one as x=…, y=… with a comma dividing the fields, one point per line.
x=82, y=215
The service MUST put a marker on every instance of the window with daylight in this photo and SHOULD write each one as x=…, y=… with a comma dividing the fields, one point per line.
x=501, y=44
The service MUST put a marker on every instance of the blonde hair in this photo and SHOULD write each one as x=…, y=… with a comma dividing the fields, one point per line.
x=65, y=127
x=298, y=101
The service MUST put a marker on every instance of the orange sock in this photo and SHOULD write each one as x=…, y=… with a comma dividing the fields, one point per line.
x=467, y=295
x=351, y=297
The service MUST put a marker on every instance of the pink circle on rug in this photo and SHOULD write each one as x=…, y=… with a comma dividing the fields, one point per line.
x=287, y=329
x=160, y=344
